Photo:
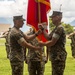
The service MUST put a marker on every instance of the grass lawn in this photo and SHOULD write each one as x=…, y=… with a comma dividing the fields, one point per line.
x=5, y=68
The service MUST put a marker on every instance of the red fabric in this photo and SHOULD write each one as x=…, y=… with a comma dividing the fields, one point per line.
x=32, y=15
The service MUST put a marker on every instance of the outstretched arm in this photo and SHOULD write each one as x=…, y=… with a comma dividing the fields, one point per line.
x=46, y=34
x=23, y=43
x=30, y=37
x=48, y=43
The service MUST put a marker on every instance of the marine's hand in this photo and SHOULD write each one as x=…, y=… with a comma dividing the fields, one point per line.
x=41, y=43
x=38, y=48
x=38, y=32
x=41, y=27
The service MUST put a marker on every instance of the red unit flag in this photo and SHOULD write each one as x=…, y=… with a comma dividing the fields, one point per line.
x=38, y=14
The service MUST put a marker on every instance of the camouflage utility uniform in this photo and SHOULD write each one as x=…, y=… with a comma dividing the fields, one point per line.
x=36, y=66
x=7, y=44
x=16, y=52
x=57, y=51
x=73, y=45
x=5, y=35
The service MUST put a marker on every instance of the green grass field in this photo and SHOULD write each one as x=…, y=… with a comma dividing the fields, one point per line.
x=5, y=68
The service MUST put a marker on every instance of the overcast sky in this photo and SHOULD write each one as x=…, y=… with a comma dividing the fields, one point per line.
x=8, y=8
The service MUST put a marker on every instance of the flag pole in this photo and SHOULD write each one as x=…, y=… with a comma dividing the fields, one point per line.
x=39, y=21
x=39, y=15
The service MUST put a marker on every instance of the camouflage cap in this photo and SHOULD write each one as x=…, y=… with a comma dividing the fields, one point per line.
x=18, y=18
x=56, y=13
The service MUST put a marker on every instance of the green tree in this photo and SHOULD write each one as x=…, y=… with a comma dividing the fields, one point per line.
x=51, y=25
x=68, y=28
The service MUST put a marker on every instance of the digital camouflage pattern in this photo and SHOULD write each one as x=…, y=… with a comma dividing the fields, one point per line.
x=7, y=44
x=36, y=66
x=57, y=52
x=73, y=44
x=35, y=55
x=17, y=68
x=16, y=51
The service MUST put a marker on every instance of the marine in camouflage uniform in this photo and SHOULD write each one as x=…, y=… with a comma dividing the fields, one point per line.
x=7, y=44
x=58, y=53
x=72, y=37
x=57, y=39
x=36, y=60
x=5, y=35
x=17, y=44
x=16, y=52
